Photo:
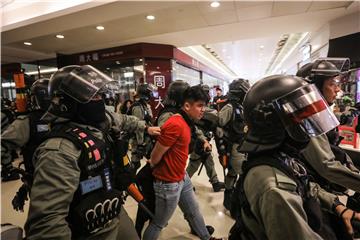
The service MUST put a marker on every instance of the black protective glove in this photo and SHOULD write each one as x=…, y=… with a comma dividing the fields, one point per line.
x=19, y=200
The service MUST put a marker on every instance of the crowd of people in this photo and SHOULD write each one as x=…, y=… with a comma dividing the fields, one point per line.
x=277, y=142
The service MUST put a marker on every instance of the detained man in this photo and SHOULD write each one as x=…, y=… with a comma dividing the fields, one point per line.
x=172, y=184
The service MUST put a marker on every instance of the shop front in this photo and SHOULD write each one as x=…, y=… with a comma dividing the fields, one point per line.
x=157, y=64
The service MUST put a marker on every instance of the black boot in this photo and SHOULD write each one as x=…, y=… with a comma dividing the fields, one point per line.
x=217, y=186
x=8, y=173
x=208, y=227
x=227, y=198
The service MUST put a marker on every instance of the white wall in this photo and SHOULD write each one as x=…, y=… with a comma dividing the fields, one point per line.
x=345, y=25
x=319, y=40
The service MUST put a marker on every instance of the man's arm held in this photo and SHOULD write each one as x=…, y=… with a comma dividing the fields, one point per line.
x=157, y=153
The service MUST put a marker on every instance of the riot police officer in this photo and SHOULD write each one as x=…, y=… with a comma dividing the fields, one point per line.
x=199, y=158
x=332, y=167
x=231, y=121
x=27, y=130
x=77, y=183
x=142, y=110
x=275, y=197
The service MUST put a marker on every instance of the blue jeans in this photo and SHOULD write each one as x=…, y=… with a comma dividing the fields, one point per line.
x=167, y=197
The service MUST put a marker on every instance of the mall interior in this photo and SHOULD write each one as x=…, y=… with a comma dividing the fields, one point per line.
x=157, y=43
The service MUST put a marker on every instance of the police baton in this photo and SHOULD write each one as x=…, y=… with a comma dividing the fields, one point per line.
x=204, y=157
x=139, y=198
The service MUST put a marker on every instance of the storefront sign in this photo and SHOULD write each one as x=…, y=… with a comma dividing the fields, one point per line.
x=93, y=57
x=159, y=81
x=159, y=102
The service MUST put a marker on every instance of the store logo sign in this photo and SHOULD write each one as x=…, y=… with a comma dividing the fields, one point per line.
x=159, y=81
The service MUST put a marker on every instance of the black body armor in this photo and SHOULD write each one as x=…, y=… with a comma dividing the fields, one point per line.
x=285, y=164
x=96, y=201
x=144, y=108
x=235, y=127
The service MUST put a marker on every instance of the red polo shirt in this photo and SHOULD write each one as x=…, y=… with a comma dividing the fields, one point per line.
x=176, y=134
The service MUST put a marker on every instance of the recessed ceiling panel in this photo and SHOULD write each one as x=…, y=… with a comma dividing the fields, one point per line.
x=288, y=8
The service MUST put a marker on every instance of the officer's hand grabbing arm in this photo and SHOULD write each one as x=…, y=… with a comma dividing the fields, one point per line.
x=154, y=131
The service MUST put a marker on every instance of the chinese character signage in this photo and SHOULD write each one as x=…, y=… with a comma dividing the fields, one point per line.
x=159, y=81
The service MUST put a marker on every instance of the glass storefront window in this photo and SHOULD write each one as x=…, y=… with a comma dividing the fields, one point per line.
x=210, y=80
x=127, y=73
x=189, y=75
x=8, y=90
x=40, y=69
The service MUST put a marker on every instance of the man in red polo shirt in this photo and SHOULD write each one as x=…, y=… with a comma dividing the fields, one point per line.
x=168, y=159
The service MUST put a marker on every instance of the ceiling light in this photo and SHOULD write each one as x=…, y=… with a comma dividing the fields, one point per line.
x=28, y=43
x=107, y=68
x=117, y=62
x=150, y=17
x=60, y=36
x=215, y=4
x=100, y=28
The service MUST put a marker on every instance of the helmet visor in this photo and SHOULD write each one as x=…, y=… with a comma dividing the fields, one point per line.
x=85, y=82
x=343, y=64
x=341, y=67
x=306, y=107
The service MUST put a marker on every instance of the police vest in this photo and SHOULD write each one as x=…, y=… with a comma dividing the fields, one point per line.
x=38, y=131
x=144, y=109
x=279, y=161
x=96, y=202
x=235, y=127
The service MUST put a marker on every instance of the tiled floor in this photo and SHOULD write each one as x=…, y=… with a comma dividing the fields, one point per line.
x=210, y=204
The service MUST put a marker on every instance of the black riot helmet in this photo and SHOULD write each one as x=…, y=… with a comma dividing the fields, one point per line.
x=283, y=109
x=75, y=92
x=321, y=71
x=325, y=68
x=146, y=91
x=305, y=71
x=237, y=89
x=39, y=93
x=206, y=89
x=175, y=93
x=81, y=83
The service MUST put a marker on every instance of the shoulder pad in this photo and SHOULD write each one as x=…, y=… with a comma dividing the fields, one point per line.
x=53, y=143
x=61, y=145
